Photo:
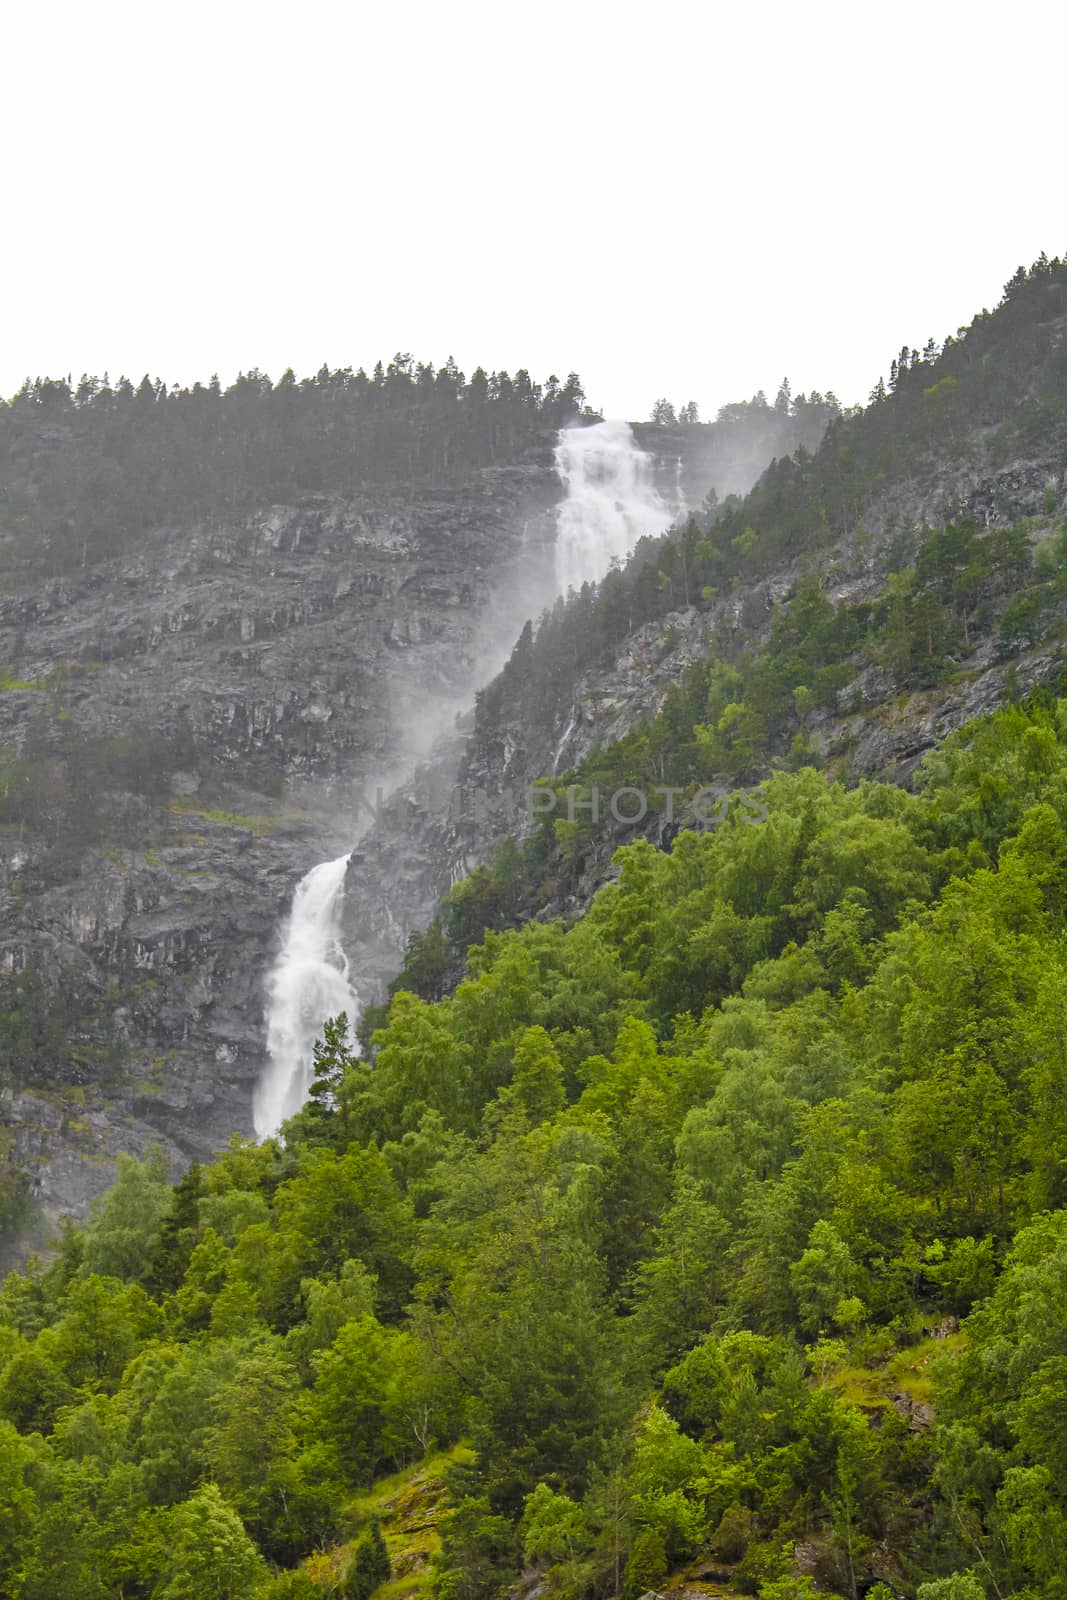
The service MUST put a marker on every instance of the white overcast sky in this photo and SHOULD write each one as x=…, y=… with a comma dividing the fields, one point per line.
x=675, y=199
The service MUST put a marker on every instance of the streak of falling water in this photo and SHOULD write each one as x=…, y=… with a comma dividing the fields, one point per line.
x=308, y=984
x=610, y=501
x=562, y=745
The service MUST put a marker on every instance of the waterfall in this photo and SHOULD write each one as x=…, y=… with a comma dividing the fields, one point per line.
x=562, y=745
x=680, y=507
x=308, y=984
x=610, y=501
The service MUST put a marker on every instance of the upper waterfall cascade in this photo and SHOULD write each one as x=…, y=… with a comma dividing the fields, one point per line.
x=610, y=501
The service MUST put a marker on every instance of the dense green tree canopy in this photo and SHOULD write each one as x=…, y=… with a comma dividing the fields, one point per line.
x=681, y=1216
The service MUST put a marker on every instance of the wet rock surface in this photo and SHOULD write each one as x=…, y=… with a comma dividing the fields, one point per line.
x=292, y=660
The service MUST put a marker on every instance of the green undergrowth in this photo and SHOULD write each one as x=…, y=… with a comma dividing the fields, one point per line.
x=726, y=1224
x=409, y=1507
x=904, y=1375
x=261, y=824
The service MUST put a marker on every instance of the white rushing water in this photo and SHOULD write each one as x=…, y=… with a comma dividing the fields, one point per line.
x=610, y=501
x=308, y=984
x=562, y=745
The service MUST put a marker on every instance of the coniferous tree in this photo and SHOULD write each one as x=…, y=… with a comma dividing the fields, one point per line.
x=370, y=1566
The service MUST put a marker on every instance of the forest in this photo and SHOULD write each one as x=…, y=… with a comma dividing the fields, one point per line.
x=87, y=466
x=728, y=1220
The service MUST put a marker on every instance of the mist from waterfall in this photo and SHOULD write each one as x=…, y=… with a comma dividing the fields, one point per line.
x=609, y=502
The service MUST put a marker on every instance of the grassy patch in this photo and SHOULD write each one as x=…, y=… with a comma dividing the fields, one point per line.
x=859, y=1386
x=415, y=1583
x=409, y=1506
x=262, y=824
x=911, y=1370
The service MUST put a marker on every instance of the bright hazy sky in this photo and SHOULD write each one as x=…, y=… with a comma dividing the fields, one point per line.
x=687, y=200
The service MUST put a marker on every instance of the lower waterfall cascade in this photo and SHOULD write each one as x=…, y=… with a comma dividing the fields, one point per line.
x=308, y=983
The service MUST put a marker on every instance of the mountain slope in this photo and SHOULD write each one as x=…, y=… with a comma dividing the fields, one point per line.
x=710, y=1237
x=855, y=607
x=226, y=618
x=724, y=1226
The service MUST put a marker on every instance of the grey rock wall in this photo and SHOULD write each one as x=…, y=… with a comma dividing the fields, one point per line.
x=303, y=654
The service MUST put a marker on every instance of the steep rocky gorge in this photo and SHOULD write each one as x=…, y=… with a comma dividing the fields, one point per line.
x=271, y=671
x=278, y=665
x=447, y=819
x=246, y=685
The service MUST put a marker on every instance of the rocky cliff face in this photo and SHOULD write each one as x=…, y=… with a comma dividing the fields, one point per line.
x=265, y=676
x=278, y=666
x=876, y=731
x=288, y=662
x=448, y=818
